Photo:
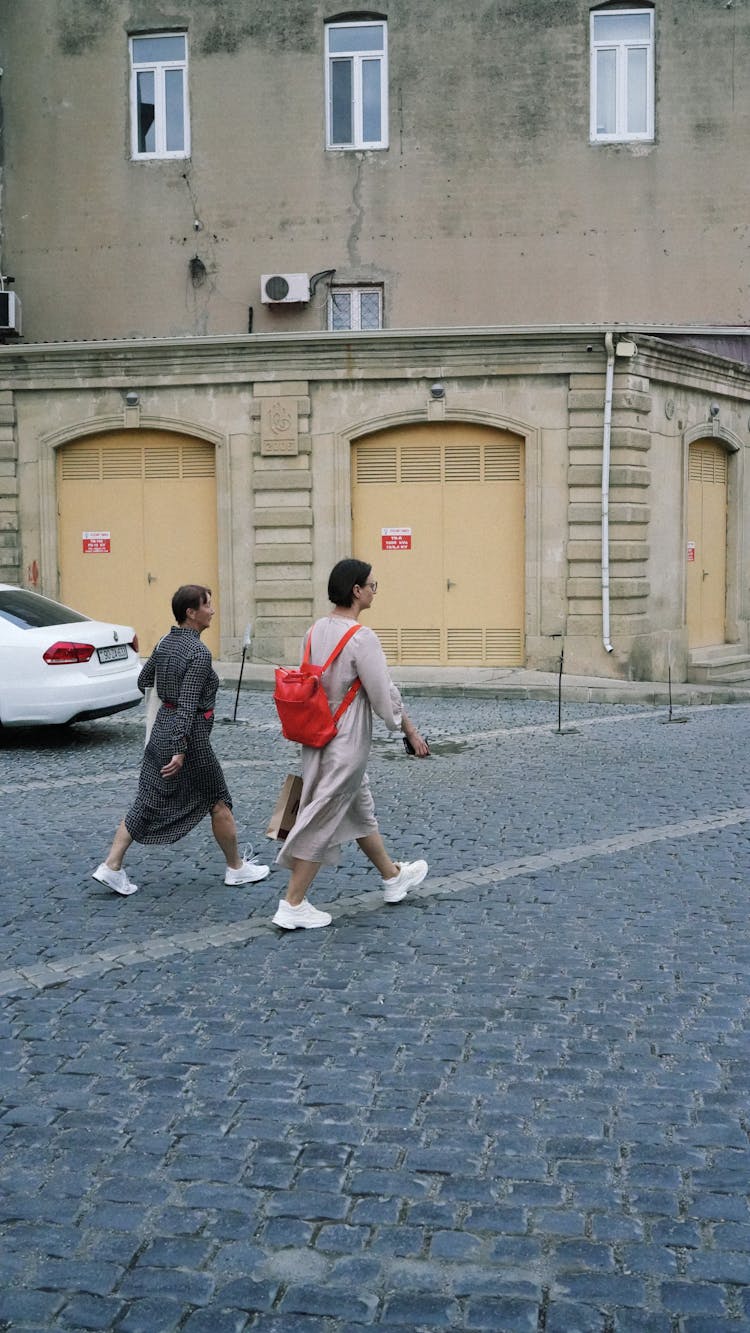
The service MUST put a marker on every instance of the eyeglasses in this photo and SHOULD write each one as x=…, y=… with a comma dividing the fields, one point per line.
x=373, y=585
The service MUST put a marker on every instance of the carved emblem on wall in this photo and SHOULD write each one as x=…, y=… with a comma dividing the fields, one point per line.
x=278, y=426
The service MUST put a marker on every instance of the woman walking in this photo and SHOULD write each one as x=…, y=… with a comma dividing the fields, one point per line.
x=181, y=778
x=336, y=804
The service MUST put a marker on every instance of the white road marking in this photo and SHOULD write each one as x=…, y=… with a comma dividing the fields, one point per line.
x=157, y=946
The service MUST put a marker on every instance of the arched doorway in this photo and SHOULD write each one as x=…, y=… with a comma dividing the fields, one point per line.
x=707, y=544
x=439, y=511
x=137, y=518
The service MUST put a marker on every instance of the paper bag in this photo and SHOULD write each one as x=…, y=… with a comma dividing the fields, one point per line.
x=285, y=810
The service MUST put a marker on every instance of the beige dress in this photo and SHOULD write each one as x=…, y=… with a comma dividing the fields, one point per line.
x=337, y=804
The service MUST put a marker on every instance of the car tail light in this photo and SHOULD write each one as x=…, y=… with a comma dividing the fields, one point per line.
x=65, y=652
x=134, y=643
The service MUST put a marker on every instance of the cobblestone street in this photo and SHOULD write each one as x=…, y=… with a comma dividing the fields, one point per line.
x=518, y=1101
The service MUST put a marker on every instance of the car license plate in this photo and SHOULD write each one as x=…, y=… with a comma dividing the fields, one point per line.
x=117, y=653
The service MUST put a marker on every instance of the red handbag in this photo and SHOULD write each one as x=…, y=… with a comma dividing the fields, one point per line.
x=301, y=701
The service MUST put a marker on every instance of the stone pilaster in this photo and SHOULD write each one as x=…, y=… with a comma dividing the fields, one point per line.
x=629, y=512
x=282, y=517
x=10, y=535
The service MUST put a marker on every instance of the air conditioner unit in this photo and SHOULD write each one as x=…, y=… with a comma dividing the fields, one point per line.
x=10, y=313
x=283, y=288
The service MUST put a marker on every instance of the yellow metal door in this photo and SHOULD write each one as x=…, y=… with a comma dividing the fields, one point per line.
x=137, y=518
x=707, y=544
x=439, y=512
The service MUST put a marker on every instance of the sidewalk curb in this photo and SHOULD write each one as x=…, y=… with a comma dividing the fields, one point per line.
x=518, y=684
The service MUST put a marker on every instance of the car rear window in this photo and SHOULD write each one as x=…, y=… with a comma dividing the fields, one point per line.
x=27, y=610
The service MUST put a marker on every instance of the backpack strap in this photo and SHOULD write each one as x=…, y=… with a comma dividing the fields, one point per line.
x=348, y=698
x=341, y=644
x=356, y=683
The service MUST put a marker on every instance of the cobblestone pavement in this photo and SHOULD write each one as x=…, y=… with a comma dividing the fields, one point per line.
x=518, y=1101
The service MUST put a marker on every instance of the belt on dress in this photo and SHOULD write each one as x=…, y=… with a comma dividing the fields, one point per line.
x=207, y=712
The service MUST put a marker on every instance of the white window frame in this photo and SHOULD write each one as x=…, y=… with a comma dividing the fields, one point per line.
x=621, y=47
x=357, y=59
x=159, y=69
x=356, y=293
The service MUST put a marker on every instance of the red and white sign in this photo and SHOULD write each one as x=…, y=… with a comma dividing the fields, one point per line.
x=96, y=543
x=395, y=539
x=691, y=552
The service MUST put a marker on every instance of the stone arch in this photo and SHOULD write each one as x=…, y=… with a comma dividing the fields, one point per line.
x=438, y=413
x=131, y=420
x=713, y=432
x=477, y=456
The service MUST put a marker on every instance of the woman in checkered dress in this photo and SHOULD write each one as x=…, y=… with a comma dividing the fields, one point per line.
x=181, y=779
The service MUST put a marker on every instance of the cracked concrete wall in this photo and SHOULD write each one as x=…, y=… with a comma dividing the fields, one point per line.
x=490, y=205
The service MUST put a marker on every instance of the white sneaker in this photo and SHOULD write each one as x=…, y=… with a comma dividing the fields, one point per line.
x=248, y=873
x=114, y=879
x=410, y=873
x=304, y=917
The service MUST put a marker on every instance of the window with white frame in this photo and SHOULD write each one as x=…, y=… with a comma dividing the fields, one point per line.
x=622, y=75
x=355, y=308
x=159, y=95
x=357, y=85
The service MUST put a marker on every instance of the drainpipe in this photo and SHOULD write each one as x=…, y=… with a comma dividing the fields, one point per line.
x=606, y=452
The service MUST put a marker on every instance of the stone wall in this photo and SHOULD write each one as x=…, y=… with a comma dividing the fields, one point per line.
x=10, y=541
x=490, y=206
x=629, y=514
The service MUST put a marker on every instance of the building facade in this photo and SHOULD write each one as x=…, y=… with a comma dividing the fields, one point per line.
x=462, y=293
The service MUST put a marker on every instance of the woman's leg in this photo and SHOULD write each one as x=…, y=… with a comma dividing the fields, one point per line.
x=120, y=844
x=302, y=875
x=374, y=849
x=224, y=830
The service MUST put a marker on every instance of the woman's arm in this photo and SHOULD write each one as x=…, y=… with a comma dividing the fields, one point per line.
x=147, y=676
x=384, y=697
x=415, y=738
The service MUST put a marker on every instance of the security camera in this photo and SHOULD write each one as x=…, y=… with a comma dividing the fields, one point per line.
x=714, y=410
x=437, y=390
x=131, y=398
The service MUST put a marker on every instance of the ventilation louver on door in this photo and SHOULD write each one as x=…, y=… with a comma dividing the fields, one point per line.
x=117, y=464
x=420, y=464
x=83, y=463
x=420, y=646
x=502, y=462
x=463, y=463
x=463, y=647
x=389, y=642
x=114, y=462
x=162, y=463
x=376, y=466
x=415, y=464
x=484, y=647
x=707, y=463
x=503, y=647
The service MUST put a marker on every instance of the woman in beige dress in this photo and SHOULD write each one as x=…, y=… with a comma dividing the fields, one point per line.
x=336, y=804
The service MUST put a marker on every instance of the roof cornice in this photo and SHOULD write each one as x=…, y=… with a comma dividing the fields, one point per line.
x=396, y=353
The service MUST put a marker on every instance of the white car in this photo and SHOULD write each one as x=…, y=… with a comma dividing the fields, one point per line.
x=58, y=666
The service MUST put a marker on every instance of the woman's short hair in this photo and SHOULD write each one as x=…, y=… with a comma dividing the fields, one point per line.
x=188, y=598
x=343, y=578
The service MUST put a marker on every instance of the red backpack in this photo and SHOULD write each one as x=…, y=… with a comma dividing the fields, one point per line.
x=301, y=701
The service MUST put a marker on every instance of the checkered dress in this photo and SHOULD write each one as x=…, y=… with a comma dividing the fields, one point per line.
x=165, y=809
